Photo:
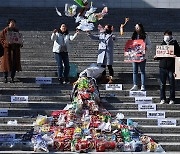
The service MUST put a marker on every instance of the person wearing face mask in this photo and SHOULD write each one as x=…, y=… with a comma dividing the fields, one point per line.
x=10, y=61
x=61, y=47
x=167, y=68
x=105, y=51
x=139, y=33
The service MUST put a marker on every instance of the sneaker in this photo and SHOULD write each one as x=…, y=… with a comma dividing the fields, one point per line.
x=171, y=102
x=134, y=88
x=12, y=80
x=162, y=102
x=66, y=81
x=143, y=88
x=5, y=80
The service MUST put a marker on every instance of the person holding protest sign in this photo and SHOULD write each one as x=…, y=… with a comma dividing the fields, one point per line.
x=61, y=47
x=167, y=68
x=105, y=50
x=10, y=61
x=139, y=33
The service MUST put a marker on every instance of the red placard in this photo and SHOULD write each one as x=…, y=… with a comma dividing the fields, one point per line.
x=134, y=51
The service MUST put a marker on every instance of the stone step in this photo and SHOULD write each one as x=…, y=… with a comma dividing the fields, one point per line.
x=150, y=92
x=126, y=112
x=107, y=105
x=147, y=129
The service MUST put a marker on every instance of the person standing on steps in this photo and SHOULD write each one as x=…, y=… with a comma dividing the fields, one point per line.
x=105, y=50
x=139, y=33
x=10, y=61
x=61, y=48
x=167, y=68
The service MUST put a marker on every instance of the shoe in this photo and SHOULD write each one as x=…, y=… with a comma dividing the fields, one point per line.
x=12, y=80
x=171, y=102
x=66, y=81
x=110, y=80
x=134, y=88
x=143, y=88
x=61, y=80
x=162, y=101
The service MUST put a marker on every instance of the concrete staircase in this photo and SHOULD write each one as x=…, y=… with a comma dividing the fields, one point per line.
x=38, y=61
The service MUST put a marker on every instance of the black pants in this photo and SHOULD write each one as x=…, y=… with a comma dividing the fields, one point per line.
x=13, y=73
x=111, y=71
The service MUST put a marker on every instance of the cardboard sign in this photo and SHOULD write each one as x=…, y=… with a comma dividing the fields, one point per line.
x=165, y=50
x=113, y=86
x=137, y=93
x=134, y=51
x=177, y=68
x=146, y=107
x=143, y=100
x=3, y=112
x=14, y=38
x=19, y=99
x=156, y=114
x=43, y=80
x=166, y=122
x=7, y=137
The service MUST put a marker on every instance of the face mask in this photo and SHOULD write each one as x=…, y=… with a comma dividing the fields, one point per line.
x=167, y=38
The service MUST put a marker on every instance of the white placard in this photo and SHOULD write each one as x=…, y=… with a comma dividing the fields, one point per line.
x=137, y=93
x=7, y=137
x=165, y=50
x=143, y=100
x=3, y=112
x=166, y=122
x=19, y=99
x=156, y=114
x=113, y=86
x=146, y=107
x=43, y=80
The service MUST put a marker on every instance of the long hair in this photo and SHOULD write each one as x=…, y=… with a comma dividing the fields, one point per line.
x=142, y=34
x=64, y=33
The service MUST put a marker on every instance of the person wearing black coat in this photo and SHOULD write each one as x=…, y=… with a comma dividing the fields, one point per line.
x=167, y=68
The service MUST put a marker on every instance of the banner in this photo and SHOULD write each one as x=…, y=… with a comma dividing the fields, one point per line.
x=14, y=38
x=165, y=50
x=134, y=51
x=177, y=68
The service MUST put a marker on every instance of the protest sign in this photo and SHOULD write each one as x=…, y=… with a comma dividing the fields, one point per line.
x=165, y=50
x=137, y=93
x=19, y=99
x=113, y=86
x=166, y=122
x=146, y=107
x=14, y=38
x=177, y=68
x=143, y=100
x=43, y=80
x=155, y=114
x=134, y=51
x=7, y=137
x=3, y=112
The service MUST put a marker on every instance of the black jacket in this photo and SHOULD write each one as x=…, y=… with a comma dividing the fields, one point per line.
x=166, y=62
